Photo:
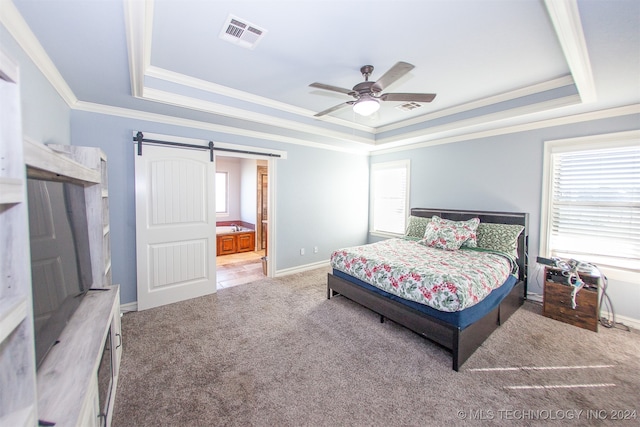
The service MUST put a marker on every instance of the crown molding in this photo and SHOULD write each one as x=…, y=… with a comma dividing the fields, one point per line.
x=524, y=127
x=565, y=18
x=138, y=41
x=237, y=113
x=606, y=140
x=487, y=120
x=13, y=21
x=139, y=28
x=9, y=70
x=139, y=32
x=468, y=106
x=207, y=86
x=138, y=17
x=379, y=150
x=193, y=82
x=128, y=113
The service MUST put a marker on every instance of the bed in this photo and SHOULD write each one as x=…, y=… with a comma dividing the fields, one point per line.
x=466, y=319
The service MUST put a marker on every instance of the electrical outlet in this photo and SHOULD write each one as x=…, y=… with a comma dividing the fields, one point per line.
x=315, y=249
x=302, y=251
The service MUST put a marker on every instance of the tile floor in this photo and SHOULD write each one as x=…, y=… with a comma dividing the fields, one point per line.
x=238, y=269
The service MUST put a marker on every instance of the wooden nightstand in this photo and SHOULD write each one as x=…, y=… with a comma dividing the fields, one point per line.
x=557, y=300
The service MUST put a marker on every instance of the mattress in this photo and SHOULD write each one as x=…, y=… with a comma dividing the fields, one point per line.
x=446, y=281
x=459, y=319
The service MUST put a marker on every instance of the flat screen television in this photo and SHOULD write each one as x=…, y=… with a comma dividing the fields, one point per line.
x=60, y=258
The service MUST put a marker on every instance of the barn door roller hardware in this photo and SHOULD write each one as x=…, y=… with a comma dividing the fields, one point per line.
x=140, y=139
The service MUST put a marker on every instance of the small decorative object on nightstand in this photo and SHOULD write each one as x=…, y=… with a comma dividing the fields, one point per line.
x=558, y=299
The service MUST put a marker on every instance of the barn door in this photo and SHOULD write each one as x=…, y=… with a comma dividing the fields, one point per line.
x=175, y=225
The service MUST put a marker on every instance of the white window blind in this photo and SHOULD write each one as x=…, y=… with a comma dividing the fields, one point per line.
x=389, y=196
x=594, y=213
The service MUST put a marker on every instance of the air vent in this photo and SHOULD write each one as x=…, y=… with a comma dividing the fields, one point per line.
x=241, y=32
x=408, y=106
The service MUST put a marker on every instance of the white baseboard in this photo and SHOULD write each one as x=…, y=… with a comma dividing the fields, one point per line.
x=301, y=268
x=130, y=306
x=627, y=321
x=133, y=306
x=534, y=297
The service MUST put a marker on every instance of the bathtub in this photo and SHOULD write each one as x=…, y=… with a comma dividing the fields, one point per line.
x=226, y=229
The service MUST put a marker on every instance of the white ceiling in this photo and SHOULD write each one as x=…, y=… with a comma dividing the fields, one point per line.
x=492, y=63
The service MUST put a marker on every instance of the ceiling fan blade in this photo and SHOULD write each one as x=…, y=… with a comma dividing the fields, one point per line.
x=393, y=74
x=409, y=97
x=334, y=108
x=333, y=88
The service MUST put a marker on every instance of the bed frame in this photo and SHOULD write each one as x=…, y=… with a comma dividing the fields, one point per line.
x=461, y=342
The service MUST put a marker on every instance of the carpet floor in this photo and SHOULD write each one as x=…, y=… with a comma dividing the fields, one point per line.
x=276, y=352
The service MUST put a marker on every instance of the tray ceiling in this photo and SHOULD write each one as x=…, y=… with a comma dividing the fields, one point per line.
x=491, y=63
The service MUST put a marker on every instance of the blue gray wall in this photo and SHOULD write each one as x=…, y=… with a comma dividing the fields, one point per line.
x=504, y=173
x=45, y=115
x=321, y=195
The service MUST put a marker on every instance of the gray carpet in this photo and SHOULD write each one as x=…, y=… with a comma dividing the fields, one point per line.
x=277, y=353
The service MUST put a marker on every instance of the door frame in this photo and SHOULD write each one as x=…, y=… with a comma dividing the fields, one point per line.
x=271, y=209
x=248, y=152
x=259, y=217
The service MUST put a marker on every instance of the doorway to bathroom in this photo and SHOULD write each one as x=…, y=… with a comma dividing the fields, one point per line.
x=242, y=206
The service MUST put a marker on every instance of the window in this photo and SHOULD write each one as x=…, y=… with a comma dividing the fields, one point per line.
x=591, y=202
x=222, y=193
x=389, y=197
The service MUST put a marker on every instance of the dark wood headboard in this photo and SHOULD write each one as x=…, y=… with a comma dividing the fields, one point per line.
x=519, y=218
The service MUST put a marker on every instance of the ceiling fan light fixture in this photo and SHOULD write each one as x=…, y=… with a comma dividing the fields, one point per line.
x=366, y=106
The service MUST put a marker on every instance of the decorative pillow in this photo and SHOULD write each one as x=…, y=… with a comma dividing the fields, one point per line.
x=450, y=235
x=499, y=237
x=417, y=226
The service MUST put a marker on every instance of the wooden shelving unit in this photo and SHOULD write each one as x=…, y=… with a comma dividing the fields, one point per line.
x=17, y=356
x=97, y=198
x=67, y=379
x=97, y=317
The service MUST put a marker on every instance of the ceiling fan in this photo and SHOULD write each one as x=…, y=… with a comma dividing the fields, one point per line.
x=368, y=94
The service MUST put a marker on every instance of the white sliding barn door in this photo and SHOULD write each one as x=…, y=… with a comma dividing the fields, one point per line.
x=175, y=225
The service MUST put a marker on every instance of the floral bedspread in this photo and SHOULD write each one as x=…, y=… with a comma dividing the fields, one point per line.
x=445, y=280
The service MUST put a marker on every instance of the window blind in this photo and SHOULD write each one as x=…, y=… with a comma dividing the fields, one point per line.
x=595, y=207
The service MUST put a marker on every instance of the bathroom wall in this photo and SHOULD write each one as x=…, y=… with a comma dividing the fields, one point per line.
x=232, y=166
x=243, y=189
x=248, y=190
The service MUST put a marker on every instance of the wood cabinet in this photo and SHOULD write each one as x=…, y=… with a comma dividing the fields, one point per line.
x=234, y=243
x=246, y=242
x=557, y=302
x=226, y=244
